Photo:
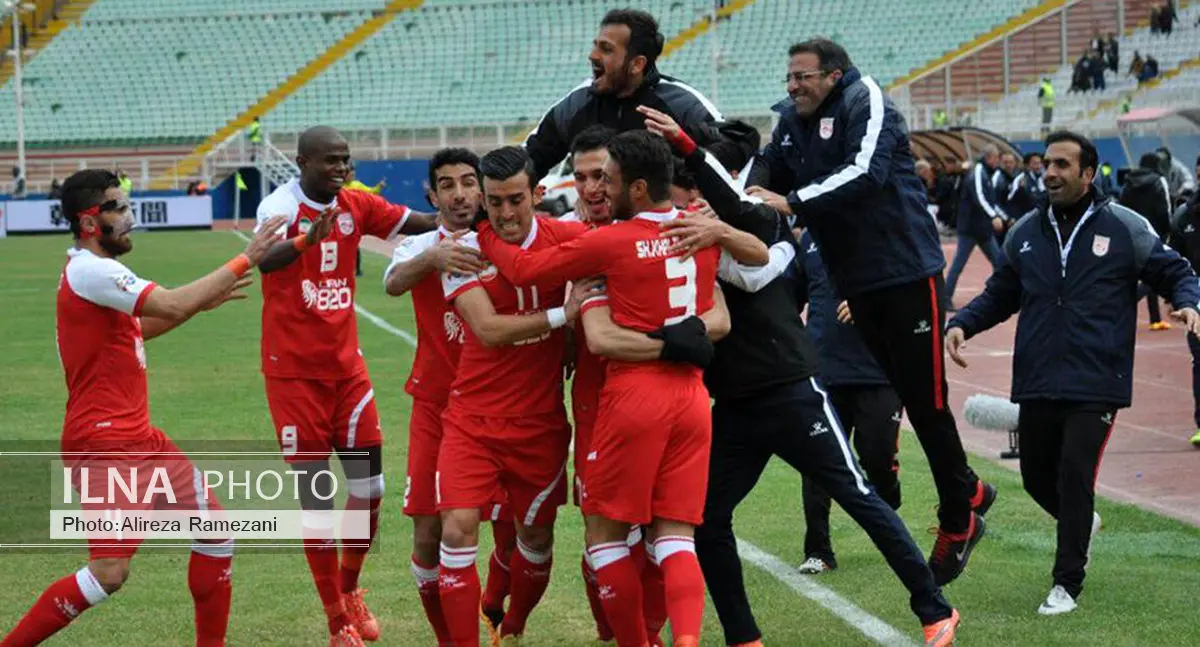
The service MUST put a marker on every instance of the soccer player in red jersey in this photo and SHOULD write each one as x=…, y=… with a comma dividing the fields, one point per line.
x=416, y=267
x=105, y=311
x=648, y=459
x=319, y=394
x=505, y=426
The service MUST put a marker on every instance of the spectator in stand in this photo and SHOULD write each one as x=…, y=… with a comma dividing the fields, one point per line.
x=1081, y=78
x=1046, y=101
x=1149, y=70
x=1097, y=42
x=1155, y=20
x=55, y=190
x=1167, y=18
x=1146, y=192
x=1097, y=68
x=1112, y=51
x=1136, y=65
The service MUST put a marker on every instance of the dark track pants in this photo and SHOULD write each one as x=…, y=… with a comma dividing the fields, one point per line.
x=902, y=327
x=1061, y=447
x=795, y=422
x=1194, y=346
x=870, y=416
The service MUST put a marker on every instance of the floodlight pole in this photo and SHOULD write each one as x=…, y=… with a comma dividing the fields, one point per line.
x=18, y=89
x=714, y=52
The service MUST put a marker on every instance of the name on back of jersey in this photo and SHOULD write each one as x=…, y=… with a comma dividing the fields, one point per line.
x=654, y=248
x=327, y=294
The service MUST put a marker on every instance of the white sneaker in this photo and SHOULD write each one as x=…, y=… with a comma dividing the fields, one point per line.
x=1092, y=539
x=814, y=566
x=1058, y=602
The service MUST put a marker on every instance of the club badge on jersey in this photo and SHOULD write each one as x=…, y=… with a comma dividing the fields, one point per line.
x=1100, y=245
x=826, y=130
x=346, y=224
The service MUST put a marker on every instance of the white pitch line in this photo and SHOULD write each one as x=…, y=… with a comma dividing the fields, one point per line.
x=366, y=314
x=870, y=626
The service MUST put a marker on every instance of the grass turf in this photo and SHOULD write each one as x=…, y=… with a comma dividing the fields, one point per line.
x=205, y=385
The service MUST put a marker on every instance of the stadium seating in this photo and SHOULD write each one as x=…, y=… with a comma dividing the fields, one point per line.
x=141, y=71
x=753, y=43
x=1019, y=113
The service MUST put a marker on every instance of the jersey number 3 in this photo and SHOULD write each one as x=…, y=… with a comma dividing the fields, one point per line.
x=683, y=295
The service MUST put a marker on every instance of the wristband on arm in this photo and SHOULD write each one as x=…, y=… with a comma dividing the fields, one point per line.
x=683, y=142
x=239, y=265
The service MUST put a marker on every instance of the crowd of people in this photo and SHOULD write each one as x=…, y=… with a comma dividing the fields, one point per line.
x=667, y=286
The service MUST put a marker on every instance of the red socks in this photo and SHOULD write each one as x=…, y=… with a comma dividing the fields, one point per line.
x=603, y=630
x=620, y=591
x=427, y=586
x=354, y=554
x=676, y=556
x=322, y=556
x=458, y=587
x=530, y=572
x=210, y=579
x=499, y=582
x=58, y=605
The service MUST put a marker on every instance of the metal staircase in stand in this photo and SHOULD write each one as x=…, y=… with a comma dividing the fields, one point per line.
x=236, y=153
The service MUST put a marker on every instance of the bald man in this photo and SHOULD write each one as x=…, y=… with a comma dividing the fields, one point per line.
x=318, y=391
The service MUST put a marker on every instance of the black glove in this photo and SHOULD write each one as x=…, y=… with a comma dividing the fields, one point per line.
x=686, y=341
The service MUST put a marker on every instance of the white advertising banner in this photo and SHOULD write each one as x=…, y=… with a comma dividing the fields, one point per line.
x=149, y=213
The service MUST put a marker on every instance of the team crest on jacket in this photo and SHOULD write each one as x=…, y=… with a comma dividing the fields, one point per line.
x=1100, y=245
x=346, y=224
x=826, y=130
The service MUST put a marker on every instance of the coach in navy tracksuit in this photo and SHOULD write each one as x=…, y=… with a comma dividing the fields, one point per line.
x=979, y=218
x=1185, y=237
x=841, y=163
x=865, y=403
x=1072, y=271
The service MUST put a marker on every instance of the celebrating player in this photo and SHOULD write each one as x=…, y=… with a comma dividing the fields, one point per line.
x=318, y=390
x=648, y=458
x=416, y=266
x=505, y=427
x=105, y=311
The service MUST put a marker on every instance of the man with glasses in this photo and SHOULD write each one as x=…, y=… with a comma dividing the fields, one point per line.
x=839, y=163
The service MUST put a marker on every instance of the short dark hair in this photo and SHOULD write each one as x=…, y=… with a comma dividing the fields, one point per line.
x=832, y=56
x=84, y=190
x=507, y=161
x=1088, y=157
x=448, y=156
x=591, y=138
x=681, y=176
x=1150, y=161
x=644, y=156
x=730, y=155
x=644, y=37
x=1029, y=156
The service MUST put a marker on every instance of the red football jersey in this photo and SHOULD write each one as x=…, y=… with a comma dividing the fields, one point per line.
x=525, y=378
x=647, y=288
x=99, y=337
x=439, y=330
x=308, y=324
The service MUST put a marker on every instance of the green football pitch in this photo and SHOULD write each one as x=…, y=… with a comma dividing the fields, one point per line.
x=205, y=385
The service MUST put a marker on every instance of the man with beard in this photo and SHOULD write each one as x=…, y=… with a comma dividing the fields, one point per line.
x=1072, y=271
x=318, y=390
x=842, y=160
x=625, y=76
x=417, y=266
x=105, y=311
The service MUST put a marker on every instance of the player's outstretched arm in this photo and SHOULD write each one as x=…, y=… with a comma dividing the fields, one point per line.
x=164, y=309
x=285, y=252
x=494, y=329
x=418, y=222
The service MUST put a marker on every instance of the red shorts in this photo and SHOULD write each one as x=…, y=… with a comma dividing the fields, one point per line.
x=147, y=457
x=424, y=445
x=484, y=458
x=314, y=417
x=649, y=455
x=584, y=411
